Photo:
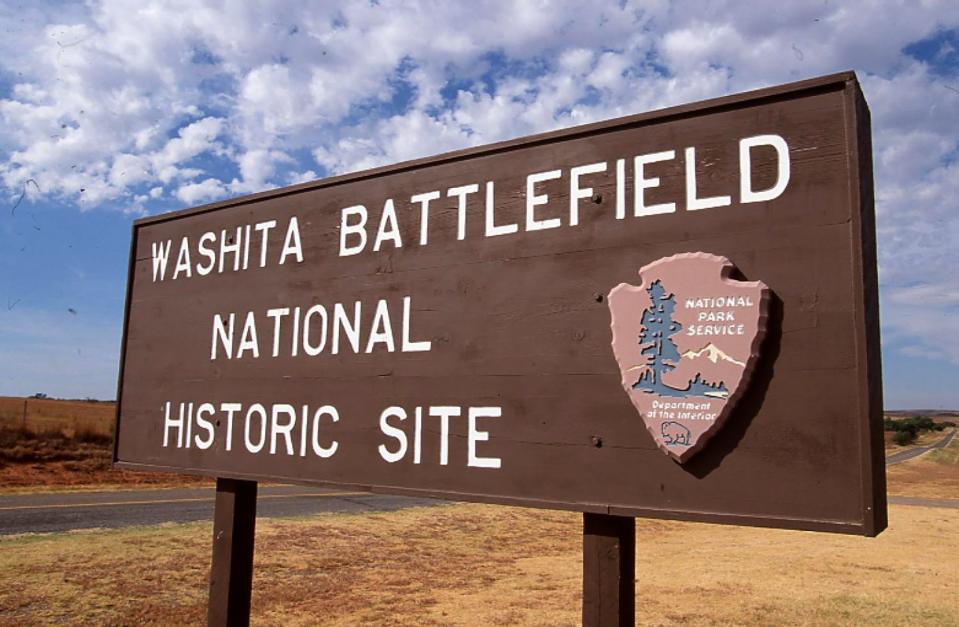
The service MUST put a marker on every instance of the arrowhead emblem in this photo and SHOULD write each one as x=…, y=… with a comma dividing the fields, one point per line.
x=687, y=340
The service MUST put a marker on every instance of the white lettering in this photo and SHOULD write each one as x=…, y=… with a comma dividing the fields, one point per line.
x=398, y=434
x=292, y=245
x=347, y=229
x=206, y=425
x=248, y=341
x=424, y=200
x=285, y=430
x=224, y=335
x=533, y=200
x=746, y=192
x=311, y=349
x=461, y=193
x=692, y=202
x=183, y=260
x=475, y=435
x=161, y=254
x=319, y=449
x=344, y=324
x=444, y=413
x=388, y=230
x=576, y=193
x=264, y=229
x=230, y=245
x=231, y=409
x=408, y=346
x=205, y=251
x=260, y=411
x=492, y=229
x=640, y=208
x=172, y=423
x=381, y=330
x=277, y=314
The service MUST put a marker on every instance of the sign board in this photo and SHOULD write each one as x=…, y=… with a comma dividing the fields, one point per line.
x=452, y=326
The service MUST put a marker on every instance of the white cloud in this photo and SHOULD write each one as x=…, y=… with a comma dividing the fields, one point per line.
x=257, y=168
x=295, y=178
x=191, y=140
x=129, y=103
x=924, y=327
x=194, y=193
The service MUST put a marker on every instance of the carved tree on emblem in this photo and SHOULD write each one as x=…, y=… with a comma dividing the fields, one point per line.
x=661, y=352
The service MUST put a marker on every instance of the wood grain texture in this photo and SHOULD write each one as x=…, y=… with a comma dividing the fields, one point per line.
x=609, y=570
x=515, y=322
x=231, y=570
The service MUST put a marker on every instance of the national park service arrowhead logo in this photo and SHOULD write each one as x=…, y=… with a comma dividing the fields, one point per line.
x=686, y=341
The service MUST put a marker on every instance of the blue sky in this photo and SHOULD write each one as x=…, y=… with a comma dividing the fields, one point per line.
x=114, y=110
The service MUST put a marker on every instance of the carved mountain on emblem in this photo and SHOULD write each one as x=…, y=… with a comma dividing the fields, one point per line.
x=713, y=353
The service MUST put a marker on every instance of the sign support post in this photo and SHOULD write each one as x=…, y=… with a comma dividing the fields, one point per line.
x=609, y=570
x=231, y=573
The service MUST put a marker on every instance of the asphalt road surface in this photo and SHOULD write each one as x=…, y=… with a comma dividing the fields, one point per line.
x=898, y=458
x=64, y=511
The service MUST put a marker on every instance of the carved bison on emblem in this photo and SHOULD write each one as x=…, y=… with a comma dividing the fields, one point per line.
x=674, y=434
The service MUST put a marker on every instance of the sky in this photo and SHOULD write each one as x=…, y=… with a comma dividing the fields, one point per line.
x=115, y=110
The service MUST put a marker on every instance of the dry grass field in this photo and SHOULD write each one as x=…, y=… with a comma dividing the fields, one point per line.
x=48, y=415
x=50, y=444
x=492, y=565
x=488, y=565
x=51, y=460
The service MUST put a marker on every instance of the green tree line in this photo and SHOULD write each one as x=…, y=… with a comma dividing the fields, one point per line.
x=907, y=430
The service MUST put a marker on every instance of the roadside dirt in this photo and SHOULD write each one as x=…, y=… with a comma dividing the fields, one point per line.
x=48, y=461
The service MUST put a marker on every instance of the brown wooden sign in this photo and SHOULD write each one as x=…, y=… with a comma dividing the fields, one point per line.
x=441, y=327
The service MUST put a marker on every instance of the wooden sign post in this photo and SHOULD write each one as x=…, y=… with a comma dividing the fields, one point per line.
x=609, y=570
x=669, y=315
x=231, y=571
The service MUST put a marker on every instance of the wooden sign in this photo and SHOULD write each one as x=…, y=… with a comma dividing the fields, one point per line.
x=451, y=326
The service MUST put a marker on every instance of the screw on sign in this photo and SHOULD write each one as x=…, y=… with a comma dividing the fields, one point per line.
x=472, y=327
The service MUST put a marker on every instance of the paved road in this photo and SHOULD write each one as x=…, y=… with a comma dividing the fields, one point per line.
x=25, y=513
x=898, y=458
x=921, y=502
x=64, y=511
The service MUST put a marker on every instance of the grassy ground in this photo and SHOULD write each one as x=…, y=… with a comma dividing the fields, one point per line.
x=46, y=415
x=489, y=565
x=52, y=445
